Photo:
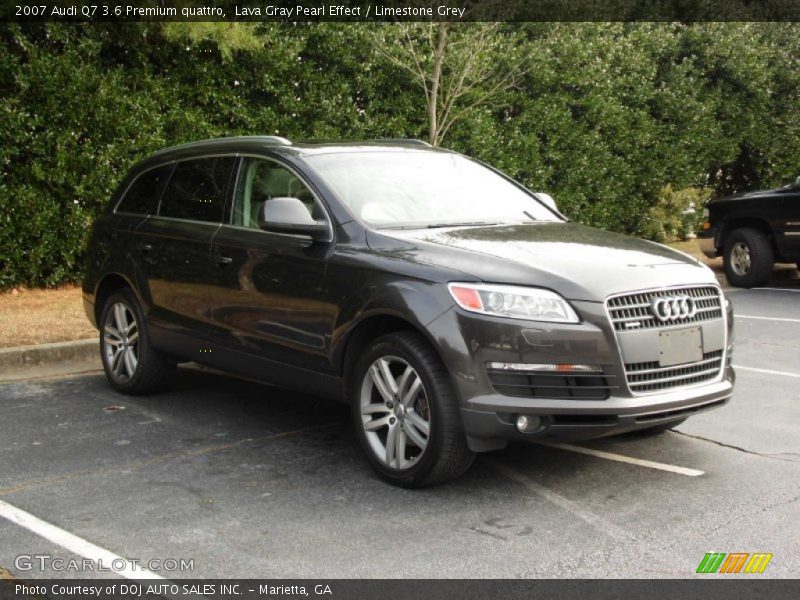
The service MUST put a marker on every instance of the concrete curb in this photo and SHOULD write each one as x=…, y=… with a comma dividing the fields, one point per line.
x=78, y=355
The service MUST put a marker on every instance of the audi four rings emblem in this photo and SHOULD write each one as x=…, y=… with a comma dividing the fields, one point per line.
x=672, y=308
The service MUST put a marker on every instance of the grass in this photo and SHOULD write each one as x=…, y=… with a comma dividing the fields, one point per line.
x=39, y=316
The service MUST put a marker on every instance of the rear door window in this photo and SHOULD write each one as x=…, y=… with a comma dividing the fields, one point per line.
x=198, y=189
x=143, y=194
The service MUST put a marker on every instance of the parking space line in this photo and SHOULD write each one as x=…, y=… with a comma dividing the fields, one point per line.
x=625, y=459
x=589, y=517
x=74, y=544
x=782, y=319
x=767, y=371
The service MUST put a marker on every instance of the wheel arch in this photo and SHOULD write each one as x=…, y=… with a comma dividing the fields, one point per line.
x=108, y=284
x=369, y=328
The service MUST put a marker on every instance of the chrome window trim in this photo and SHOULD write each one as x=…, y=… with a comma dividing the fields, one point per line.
x=189, y=221
x=720, y=376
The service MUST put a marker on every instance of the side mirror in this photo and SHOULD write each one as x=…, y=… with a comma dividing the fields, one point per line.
x=547, y=200
x=290, y=215
x=796, y=183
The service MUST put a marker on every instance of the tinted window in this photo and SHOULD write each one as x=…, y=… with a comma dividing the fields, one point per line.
x=142, y=196
x=197, y=189
x=262, y=180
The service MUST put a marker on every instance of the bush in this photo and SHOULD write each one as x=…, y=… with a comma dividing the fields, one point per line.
x=606, y=115
x=676, y=214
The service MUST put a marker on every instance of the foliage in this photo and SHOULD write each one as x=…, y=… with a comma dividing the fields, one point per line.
x=676, y=214
x=601, y=115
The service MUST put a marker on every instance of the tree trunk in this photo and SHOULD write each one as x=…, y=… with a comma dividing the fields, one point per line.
x=433, y=99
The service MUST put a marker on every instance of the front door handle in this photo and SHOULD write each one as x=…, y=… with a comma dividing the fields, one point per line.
x=146, y=248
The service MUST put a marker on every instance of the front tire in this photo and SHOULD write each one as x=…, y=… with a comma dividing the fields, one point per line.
x=406, y=413
x=748, y=257
x=132, y=365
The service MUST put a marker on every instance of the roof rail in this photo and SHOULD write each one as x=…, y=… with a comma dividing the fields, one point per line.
x=266, y=139
x=404, y=141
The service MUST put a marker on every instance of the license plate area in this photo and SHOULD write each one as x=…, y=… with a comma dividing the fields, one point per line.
x=680, y=346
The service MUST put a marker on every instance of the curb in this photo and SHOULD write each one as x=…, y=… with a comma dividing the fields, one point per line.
x=62, y=354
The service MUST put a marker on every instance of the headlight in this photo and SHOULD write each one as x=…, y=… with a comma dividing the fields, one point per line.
x=514, y=302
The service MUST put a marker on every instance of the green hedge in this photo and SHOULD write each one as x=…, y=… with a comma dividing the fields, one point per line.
x=605, y=117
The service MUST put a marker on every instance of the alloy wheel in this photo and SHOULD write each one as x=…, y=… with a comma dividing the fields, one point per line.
x=121, y=342
x=740, y=258
x=395, y=412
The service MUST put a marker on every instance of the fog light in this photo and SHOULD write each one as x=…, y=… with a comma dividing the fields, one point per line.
x=526, y=423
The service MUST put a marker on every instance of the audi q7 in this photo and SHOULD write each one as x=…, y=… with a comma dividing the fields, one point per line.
x=450, y=307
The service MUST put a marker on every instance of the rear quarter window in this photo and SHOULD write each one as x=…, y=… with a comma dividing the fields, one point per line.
x=198, y=189
x=142, y=196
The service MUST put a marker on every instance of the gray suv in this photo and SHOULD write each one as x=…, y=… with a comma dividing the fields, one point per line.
x=451, y=308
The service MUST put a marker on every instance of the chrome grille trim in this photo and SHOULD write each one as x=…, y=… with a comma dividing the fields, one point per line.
x=625, y=309
x=649, y=377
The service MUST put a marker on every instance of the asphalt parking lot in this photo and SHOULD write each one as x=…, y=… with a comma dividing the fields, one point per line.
x=247, y=480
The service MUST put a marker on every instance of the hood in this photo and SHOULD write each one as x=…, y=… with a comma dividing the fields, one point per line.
x=579, y=262
x=787, y=190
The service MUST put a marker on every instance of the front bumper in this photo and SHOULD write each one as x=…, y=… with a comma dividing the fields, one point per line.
x=490, y=420
x=471, y=342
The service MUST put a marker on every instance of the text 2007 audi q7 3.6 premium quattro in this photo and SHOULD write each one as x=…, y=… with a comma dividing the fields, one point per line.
x=452, y=309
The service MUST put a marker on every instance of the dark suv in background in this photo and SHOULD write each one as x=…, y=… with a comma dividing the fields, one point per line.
x=453, y=309
x=752, y=232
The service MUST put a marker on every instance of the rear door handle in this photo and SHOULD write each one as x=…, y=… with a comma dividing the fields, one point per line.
x=223, y=261
x=146, y=248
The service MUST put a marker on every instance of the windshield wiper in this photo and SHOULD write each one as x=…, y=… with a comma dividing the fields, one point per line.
x=465, y=224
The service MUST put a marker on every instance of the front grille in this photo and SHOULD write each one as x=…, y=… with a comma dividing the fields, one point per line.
x=577, y=386
x=650, y=377
x=632, y=312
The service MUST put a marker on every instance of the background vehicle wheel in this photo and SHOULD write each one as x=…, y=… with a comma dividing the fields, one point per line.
x=748, y=257
x=131, y=363
x=658, y=429
x=406, y=413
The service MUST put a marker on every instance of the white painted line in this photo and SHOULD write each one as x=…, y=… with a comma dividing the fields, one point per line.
x=74, y=544
x=767, y=371
x=625, y=459
x=591, y=518
x=782, y=319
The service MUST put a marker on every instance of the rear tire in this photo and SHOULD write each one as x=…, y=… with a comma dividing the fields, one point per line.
x=748, y=257
x=406, y=414
x=132, y=365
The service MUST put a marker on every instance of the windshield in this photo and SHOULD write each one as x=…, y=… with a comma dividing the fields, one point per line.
x=410, y=189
